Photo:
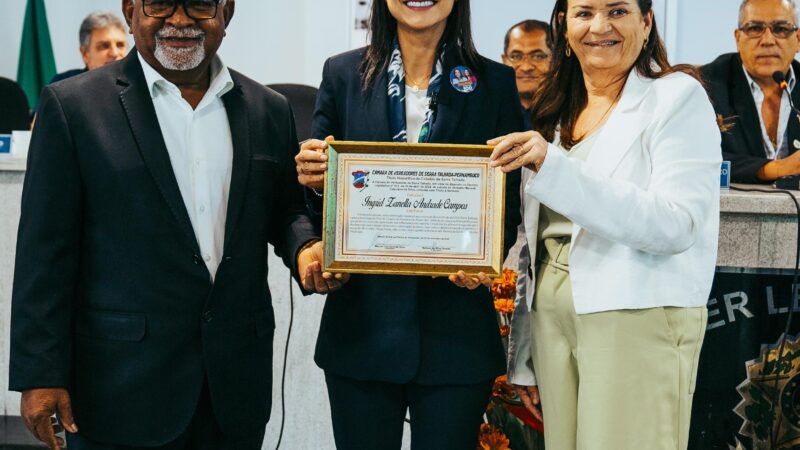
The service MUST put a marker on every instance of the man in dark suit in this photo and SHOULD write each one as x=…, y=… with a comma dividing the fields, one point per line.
x=140, y=311
x=762, y=134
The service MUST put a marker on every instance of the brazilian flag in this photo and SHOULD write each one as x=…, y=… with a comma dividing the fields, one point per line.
x=37, y=66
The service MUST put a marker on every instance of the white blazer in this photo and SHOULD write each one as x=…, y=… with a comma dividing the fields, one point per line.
x=644, y=207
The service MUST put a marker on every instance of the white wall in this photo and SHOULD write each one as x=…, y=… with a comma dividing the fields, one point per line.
x=705, y=29
x=492, y=18
x=277, y=41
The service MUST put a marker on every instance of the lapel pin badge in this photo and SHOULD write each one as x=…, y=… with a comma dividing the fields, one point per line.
x=463, y=80
x=796, y=144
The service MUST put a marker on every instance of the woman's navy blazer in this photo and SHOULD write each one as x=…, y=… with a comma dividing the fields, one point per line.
x=404, y=329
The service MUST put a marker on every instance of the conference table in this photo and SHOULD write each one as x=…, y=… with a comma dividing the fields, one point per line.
x=742, y=394
x=739, y=385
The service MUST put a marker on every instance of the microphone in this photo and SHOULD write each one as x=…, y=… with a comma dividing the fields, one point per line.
x=434, y=104
x=780, y=78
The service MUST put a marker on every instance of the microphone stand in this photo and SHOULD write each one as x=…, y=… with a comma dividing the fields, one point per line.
x=791, y=182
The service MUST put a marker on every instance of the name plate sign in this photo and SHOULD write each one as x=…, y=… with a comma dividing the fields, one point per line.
x=412, y=209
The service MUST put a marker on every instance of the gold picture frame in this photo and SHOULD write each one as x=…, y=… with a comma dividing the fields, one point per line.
x=372, y=236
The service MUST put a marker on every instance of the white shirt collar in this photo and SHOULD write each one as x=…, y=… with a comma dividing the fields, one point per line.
x=221, y=81
x=754, y=87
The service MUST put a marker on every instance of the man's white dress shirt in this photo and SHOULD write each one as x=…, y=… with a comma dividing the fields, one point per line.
x=782, y=150
x=200, y=149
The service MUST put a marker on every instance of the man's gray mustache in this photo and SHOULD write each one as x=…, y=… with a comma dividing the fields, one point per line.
x=185, y=33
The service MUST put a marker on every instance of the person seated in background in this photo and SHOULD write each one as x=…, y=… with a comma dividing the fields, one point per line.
x=102, y=41
x=762, y=134
x=528, y=49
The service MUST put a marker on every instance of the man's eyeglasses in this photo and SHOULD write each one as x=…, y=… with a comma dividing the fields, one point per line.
x=195, y=9
x=533, y=57
x=781, y=30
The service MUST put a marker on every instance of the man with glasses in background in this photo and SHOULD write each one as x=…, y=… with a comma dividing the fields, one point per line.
x=761, y=133
x=527, y=50
x=140, y=314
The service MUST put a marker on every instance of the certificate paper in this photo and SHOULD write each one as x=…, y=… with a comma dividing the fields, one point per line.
x=413, y=209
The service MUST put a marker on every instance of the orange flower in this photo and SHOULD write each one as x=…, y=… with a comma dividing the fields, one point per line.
x=505, y=286
x=505, y=330
x=504, y=305
x=510, y=275
x=491, y=438
x=502, y=389
x=487, y=428
x=502, y=289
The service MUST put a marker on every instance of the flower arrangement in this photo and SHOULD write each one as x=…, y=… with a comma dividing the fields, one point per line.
x=508, y=424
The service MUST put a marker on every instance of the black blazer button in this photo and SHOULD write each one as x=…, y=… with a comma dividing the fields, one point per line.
x=197, y=259
x=208, y=316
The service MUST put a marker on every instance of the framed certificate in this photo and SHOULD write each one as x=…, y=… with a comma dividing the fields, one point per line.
x=412, y=209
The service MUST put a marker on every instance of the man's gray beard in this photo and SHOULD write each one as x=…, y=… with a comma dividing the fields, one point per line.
x=180, y=59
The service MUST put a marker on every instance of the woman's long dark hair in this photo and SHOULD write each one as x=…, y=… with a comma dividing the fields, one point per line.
x=562, y=96
x=383, y=30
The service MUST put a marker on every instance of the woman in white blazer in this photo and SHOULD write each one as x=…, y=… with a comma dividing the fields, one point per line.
x=620, y=197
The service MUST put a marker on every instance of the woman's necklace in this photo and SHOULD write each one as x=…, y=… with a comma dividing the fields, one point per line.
x=600, y=121
x=416, y=83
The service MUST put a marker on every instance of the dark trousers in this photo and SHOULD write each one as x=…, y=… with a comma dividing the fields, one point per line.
x=369, y=415
x=203, y=433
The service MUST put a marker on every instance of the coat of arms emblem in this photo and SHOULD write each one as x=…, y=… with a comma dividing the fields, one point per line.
x=360, y=179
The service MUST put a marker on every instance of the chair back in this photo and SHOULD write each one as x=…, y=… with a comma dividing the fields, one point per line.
x=14, y=109
x=303, y=100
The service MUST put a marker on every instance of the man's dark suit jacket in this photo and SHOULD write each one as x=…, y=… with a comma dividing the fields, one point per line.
x=398, y=328
x=111, y=299
x=60, y=77
x=743, y=144
x=68, y=74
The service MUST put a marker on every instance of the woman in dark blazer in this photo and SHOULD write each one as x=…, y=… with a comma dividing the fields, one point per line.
x=389, y=344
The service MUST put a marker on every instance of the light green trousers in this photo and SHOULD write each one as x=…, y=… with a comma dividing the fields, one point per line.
x=618, y=380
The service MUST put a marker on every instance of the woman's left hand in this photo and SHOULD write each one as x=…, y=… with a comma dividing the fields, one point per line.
x=313, y=279
x=461, y=280
x=515, y=150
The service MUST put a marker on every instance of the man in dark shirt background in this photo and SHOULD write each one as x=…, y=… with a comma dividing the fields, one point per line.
x=761, y=133
x=527, y=49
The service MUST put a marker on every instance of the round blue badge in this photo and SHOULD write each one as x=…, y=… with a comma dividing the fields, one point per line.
x=463, y=80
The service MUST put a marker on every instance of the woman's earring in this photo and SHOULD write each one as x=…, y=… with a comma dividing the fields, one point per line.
x=646, y=41
x=569, y=51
